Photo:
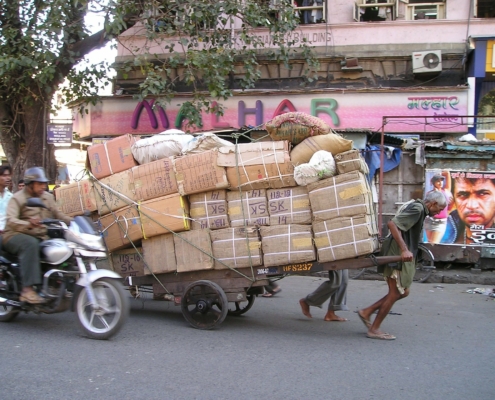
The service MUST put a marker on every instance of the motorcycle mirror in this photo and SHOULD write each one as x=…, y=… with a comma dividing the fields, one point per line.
x=35, y=202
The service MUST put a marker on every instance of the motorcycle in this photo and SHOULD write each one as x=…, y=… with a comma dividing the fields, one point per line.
x=71, y=279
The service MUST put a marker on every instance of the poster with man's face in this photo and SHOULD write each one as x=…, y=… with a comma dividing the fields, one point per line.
x=469, y=217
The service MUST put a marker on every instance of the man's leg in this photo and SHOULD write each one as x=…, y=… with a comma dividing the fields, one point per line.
x=384, y=305
x=271, y=289
x=338, y=300
x=27, y=249
x=322, y=293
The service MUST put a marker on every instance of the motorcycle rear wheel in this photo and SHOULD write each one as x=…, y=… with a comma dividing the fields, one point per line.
x=112, y=313
x=8, y=313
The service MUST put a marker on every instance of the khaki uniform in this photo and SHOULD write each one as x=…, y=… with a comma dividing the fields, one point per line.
x=21, y=239
x=18, y=215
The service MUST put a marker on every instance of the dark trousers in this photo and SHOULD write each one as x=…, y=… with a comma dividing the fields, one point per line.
x=334, y=289
x=27, y=248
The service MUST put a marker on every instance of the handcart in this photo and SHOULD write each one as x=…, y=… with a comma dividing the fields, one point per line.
x=204, y=296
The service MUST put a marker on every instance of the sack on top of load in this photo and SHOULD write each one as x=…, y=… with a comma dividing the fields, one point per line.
x=165, y=144
x=331, y=142
x=296, y=126
x=204, y=142
x=321, y=166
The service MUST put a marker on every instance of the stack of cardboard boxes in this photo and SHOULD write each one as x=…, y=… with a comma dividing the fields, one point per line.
x=182, y=212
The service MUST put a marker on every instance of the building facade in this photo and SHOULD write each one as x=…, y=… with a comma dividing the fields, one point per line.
x=404, y=58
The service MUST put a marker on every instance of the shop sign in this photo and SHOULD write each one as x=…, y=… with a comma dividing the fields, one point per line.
x=59, y=133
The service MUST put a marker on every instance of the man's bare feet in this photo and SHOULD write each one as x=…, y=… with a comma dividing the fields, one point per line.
x=331, y=316
x=305, y=308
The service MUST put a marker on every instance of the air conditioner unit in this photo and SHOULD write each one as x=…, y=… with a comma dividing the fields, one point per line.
x=427, y=61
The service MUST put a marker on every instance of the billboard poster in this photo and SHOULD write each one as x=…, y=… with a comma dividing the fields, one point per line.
x=469, y=217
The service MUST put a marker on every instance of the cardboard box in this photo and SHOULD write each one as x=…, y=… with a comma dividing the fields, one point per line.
x=155, y=179
x=268, y=176
x=287, y=244
x=253, y=208
x=258, y=153
x=111, y=157
x=209, y=210
x=340, y=196
x=128, y=262
x=198, y=173
x=344, y=237
x=114, y=192
x=160, y=254
x=76, y=198
x=152, y=218
x=236, y=247
x=190, y=258
x=349, y=161
x=289, y=206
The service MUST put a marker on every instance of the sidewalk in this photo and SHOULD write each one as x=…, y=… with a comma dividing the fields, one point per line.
x=448, y=276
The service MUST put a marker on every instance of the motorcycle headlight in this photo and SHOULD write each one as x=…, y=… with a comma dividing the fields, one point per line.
x=85, y=240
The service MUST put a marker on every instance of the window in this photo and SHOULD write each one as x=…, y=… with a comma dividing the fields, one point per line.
x=310, y=11
x=375, y=10
x=484, y=8
x=426, y=10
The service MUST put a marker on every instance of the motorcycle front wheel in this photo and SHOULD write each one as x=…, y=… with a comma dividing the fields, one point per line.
x=110, y=313
x=8, y=313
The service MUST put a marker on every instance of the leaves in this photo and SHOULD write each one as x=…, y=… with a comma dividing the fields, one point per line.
x=208, y=48
x=211, y=48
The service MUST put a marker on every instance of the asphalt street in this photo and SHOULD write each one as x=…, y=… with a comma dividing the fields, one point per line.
x=444, y=350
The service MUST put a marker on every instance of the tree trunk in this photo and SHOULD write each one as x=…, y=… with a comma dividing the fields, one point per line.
x=23, y=143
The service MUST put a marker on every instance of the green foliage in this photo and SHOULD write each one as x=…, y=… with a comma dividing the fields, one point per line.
x=42, y=41
x=202, y=53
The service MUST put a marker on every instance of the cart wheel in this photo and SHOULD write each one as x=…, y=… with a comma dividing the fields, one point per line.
x=204, y=304
x=425, y=265
x=242, y=307
x=355, y=273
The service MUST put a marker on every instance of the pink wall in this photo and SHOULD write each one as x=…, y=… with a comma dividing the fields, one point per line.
x=342, y=30
x=119, y=115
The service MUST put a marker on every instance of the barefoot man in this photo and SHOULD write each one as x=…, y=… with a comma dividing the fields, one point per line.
x=406, y=231
x=334, y=289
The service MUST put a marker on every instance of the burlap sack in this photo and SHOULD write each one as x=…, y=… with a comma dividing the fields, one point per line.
x=331, y=142
x=295, y=127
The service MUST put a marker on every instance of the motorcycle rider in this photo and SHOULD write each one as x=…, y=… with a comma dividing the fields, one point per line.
x=24, y=229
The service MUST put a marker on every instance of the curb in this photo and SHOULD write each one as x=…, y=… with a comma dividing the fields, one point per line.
x=448, y=276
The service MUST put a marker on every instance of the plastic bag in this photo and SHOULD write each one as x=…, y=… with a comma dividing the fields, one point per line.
x=159, y=146
x=321, y=166
x=206, y=141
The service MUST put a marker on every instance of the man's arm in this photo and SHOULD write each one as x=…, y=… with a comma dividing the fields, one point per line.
x=396, y=233
x=29, y=227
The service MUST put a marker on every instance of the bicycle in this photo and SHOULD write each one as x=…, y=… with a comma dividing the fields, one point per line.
x=425, y=264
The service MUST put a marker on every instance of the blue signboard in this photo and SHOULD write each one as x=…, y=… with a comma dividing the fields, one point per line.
x=58, y=133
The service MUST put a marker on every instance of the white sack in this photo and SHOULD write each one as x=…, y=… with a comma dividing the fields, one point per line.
x=206, y=141
x=159, y=146
x=322, y=165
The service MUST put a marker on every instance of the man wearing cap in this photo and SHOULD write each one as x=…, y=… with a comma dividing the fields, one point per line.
x=24, y=230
